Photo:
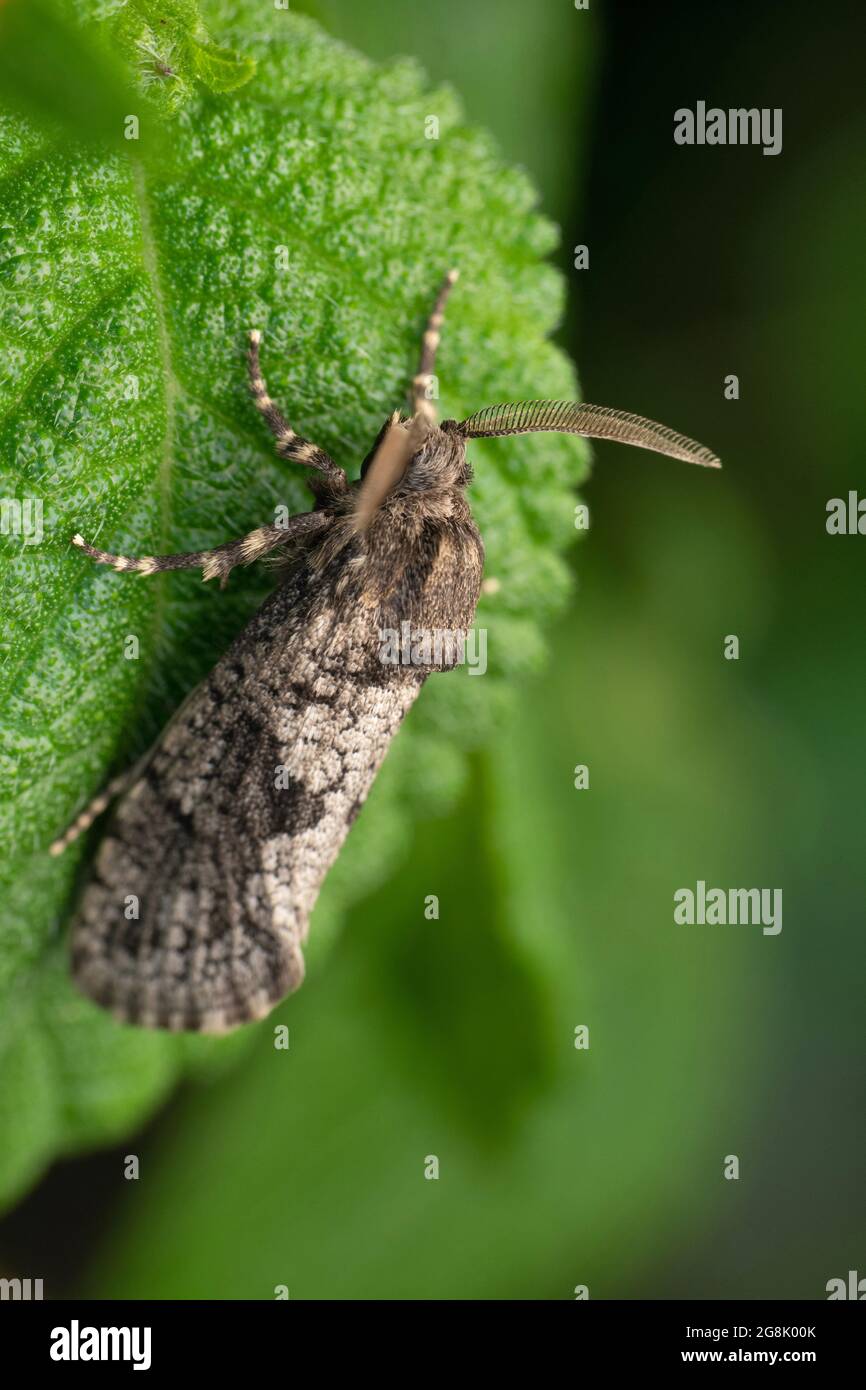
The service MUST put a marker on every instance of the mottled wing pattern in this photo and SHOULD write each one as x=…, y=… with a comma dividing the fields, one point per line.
x=222, y=843
x=591, y=421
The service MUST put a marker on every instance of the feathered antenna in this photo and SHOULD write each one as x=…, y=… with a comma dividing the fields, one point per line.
x=591, y=421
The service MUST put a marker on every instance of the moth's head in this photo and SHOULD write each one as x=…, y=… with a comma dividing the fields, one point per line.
x=428, y=455
x=418, y=458
x=411, y=459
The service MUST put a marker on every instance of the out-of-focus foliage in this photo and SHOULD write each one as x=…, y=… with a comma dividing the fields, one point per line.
x=54, y=70
x=81, y=65
x=310, y=203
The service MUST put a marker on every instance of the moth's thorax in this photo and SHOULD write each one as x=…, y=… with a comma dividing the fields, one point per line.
x=418, y=557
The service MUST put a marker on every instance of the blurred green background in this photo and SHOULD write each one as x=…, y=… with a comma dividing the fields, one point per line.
x=455, y=1037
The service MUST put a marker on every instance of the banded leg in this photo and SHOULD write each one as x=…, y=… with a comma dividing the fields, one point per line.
x=219, y=562
x=289, y=445
x=421, y=404
x=92, y=810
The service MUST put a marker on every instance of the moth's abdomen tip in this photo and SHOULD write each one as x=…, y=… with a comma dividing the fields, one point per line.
x=79, y=540
x=255, y=336
x=177, y=1005
x=453, y=276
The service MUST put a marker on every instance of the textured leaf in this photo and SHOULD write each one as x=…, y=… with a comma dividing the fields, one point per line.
x=168, y=45
x=309, y=203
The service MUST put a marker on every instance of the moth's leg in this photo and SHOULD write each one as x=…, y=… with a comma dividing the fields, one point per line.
x=289, y=445
x=94, y=808
x=216, y=563
x=421, y=404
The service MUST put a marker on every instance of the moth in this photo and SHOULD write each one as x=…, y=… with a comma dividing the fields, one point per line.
x=223, y=834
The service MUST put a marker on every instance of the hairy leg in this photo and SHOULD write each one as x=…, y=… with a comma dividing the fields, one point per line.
x=421, y=382
x=219, y=562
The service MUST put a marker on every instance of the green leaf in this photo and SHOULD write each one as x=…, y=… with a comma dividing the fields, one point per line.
x=172, y=50
x=84, y=68
x=309, y=203
x=218, y=68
